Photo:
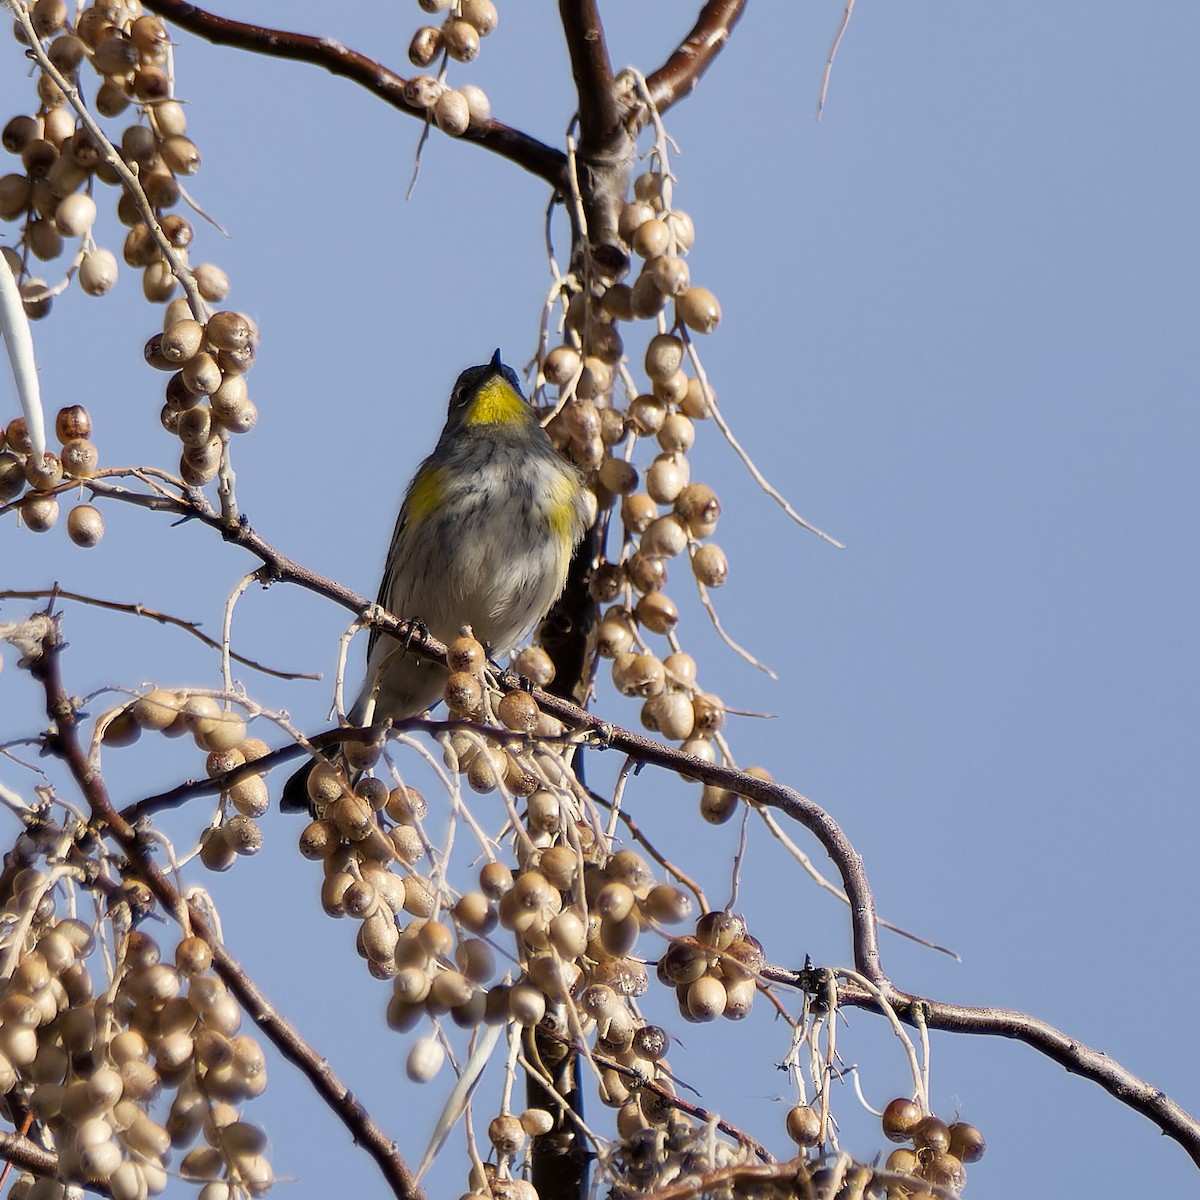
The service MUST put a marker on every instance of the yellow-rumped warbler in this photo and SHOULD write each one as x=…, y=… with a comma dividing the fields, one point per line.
x=484, y=538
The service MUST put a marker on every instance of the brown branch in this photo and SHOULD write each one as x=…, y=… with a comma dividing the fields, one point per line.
x=599, y=117
x=678, y=76
x=669, y=1098
x=1068, y=1052
x=141, y=610
x=278, y=567
x=739, y=1180
x=29, y=1156
x=64, y=742
x=1076, y=1057
x=797, y=1177
x=605, y=156
x=192, y=789
x=527, y=152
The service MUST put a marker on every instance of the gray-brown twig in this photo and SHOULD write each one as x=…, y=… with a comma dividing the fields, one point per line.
x=63, y=741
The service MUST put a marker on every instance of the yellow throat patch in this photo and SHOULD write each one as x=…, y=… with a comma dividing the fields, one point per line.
x=496, y=403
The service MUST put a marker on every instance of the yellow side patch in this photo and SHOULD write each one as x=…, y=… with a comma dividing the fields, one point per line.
x=561, y=511
x=424, y=493
x=495, y=404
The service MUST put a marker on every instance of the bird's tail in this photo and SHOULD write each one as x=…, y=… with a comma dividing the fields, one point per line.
x=295, y=797
x=295, y=791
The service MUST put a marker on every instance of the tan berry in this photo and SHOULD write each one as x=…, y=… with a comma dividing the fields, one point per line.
x=677, y=433
x=482, y=14
x=535, y=665
x=12, y=476
x=667, y=904
x=495, y=879
x=519, y=711
x=180, y=154
x=461, y=40
x=670, y=274
x=212, y=282
x=36, y=298
x=652, y=238
x=719, y=929
x=250, y=796
x=463, y=692
x=425, y=46
x=698, y=309
x=158, y=283
x=710, y=566
x=466, y=654
x=169, y=117
x=216, y=852
x=406, y=805
x=706, y=998
x=645, y=298
x=669, y=714
x=452, y=113
x=658, y=613
x=900, y=1118
x=75, y=215
x=425, y=1059
x=666, y=537
x=44, y=475
x=664, y=356
x=15, y=193
x=638, y=675
x=72, y=422
x=201, y=374
x=98, y=272
x=85, y=525
x=561, y=365
x=39, y=512
x=667, y=477
x=182, y=341
x=699, y=507
x=804, y=1125
x=966, y=1142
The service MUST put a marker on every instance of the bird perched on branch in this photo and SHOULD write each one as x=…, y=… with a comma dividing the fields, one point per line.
x=484, y=538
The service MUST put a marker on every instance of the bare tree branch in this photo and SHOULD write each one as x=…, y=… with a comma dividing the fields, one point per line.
x=142, y=610
x=26, y=1154
x=599, y=117
x=527, y=152
x=1068, y=1052
x=279, y=568
x=1076, y=1057
x=64, y=742
x=678, y=76
x=670, y=1099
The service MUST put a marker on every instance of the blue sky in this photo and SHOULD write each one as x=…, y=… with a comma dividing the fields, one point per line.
x=959, y=333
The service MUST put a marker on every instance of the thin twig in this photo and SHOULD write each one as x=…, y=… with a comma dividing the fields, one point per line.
x=778, y=832
x=152, y=614
x=528, y=153
x=812, y=816
x=1077, y=1057
x=755, y=473
x=129, y=180
x=64, y=743
x=227, y=627
x=837, y=41
x=739, y=650
x=1070, y=1053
